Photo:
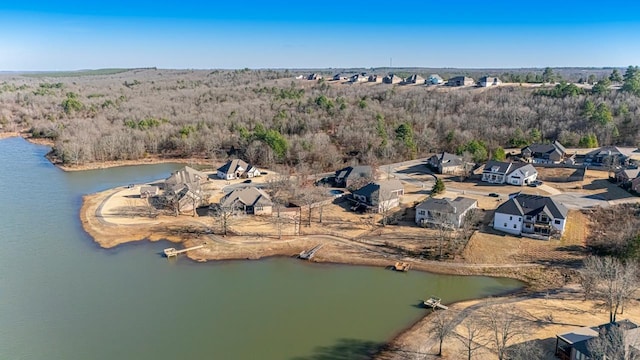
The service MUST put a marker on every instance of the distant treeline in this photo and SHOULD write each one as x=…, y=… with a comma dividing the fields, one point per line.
x=267, y=116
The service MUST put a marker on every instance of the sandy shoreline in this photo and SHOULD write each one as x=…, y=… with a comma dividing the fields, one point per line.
x=188, y=231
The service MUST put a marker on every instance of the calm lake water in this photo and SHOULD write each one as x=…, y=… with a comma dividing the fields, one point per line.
x=62, y=297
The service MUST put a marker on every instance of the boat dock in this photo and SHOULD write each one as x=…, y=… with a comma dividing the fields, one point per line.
x=308, y=254
x=434, y=303
x=402, y=266
x=172, y=252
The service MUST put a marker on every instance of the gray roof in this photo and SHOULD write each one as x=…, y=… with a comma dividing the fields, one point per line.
x=451, y=206
x=610, y=150
x=186, y=175
x=248, y=196
x=354, y=172
x=232, y=165
x=525, y=169
x=546, y=148
x=629, y=173
x=435, y=76
x=447, y=158
x=385, y=188
x=524, y=204
x=497, y=167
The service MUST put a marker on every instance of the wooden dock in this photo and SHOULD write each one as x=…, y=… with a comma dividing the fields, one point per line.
x=434, y=303
x=308, y=254
x=172, y=252
x=402, y=266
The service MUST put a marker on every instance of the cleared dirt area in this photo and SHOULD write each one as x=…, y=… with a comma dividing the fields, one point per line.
x=545, y=315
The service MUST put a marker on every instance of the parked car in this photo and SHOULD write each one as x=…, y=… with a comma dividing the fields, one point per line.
x=248, y=181
x=494, y=195
x=535, y=183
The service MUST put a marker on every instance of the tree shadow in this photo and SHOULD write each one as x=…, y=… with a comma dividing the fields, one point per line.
x=346, y=349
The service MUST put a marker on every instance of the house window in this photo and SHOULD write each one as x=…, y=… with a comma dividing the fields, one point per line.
x=514, y=226
x=422, y=212
x=505, y=224
x=510, y=217
x=557, y=222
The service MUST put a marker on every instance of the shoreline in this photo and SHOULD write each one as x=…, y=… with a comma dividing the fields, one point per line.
x=106, y=164
x=183, y=230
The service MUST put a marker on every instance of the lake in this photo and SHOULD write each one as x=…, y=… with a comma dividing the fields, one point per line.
x=63, y=297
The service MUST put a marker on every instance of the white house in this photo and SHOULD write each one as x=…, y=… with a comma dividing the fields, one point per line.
x=530, y=214
x=237, y=168
x=434, y=79
x=487, y=81
x=522, y=175
x=448, y=212
x=498, y=172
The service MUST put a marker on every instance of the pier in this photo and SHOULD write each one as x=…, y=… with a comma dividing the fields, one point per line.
x=402, y=266
x=171, y=252
x=308, y=254
x=434, y=303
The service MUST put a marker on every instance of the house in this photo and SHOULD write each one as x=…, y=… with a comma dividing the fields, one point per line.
x=624, y=176
x=235, y=169
x=375, y=78
x=339, y=77
x=487, y=81
x=248, y=200
x=607, y=155
x=495, y=172
x=434, y=79
x=530, y=214
x=448, y=212
x=148, y=191
x=446, y=163
x=186, y=175
x=414, y=79
x=575, y=345
x=635, y=185
x=521, y=174
x=362, y=77
x=184, y=197
x=352, y=174
x=380, y=196
x=314, y=76
x=499, y=172
x=460, y=81
x=553, y=153
x=392, y=79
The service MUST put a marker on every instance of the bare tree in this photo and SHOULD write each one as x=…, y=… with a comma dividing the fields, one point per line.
x=614, y=342
x=223, y=216
x=610, y=281
x=505, y=326
x=472, y=335
x=442, y=325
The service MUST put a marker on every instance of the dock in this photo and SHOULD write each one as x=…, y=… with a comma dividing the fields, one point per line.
x=402, y=266
x=172, y=252
x=434, y=303
x=308, y=254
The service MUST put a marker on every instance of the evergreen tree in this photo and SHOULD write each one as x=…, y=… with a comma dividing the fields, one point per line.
x=438, y=187
x=615, y=76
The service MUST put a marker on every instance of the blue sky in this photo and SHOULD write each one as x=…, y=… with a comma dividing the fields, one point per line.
x=70, y=35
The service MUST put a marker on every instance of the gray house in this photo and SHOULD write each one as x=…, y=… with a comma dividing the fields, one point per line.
x=447, y=163
x=414, y=79
x=574, y=345
x=392, y=79
x=447, y=212
x=609, y=155
x=460, y=81
x=186, y=175
x=353, y=174
x=553, y=153
x=248, y=200
x=380, y=196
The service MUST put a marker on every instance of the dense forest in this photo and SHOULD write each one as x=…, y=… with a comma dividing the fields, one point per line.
x=268, y=116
